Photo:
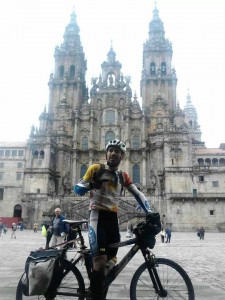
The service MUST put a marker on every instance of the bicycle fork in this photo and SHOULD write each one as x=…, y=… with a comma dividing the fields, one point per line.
x=151, y=265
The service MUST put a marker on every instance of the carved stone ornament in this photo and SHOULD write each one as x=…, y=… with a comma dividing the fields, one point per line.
x=135, y=157
x=84, y=159
x=111, y=101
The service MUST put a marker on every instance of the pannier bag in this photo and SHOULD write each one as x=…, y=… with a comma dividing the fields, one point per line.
x=39, y=268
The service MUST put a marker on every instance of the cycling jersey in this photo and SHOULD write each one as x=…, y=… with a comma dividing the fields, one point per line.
x=107, y=197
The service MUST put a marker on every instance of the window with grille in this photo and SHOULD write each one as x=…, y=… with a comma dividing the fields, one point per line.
x=110, y=135
x=19, y=165
x=72, y=71
x=21, y=153
x=201, y=178
x=7, y=152
x=14, y=153
x=135, y=142
x=194, y=192
x=84, y=143
x=83, y=170
x=136, y=174
x=35, y=154
x=215, y=183
x=152, y=69
x=163, y=68
x=42, y=154
x=1, y=193
x=18, y=176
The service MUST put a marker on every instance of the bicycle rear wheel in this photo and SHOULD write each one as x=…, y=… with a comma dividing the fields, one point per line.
x=71, y=287
x=173, y=277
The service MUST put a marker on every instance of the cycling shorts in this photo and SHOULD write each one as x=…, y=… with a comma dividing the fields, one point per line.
x=103, y=230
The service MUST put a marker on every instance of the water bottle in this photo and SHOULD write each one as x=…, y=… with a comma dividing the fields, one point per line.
x=110, y=264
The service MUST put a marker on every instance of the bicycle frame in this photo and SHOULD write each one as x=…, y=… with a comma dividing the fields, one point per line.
x=109, y=278
x=122, y=264
x=148, y=257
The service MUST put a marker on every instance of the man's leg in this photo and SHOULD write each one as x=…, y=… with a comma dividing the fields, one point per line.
x=96, y=285
x=53, y=240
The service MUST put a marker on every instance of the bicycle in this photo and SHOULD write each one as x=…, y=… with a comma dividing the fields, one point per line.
x=156, y=278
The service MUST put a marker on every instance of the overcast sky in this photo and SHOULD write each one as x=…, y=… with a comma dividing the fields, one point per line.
x=31, y=29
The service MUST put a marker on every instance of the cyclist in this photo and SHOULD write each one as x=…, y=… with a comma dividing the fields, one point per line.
x=106, y=183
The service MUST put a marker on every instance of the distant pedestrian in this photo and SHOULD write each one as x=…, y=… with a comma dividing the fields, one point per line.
x=1, y=227
x=202, y=233
x=35, y=227
x=162, y=234
x=13, y=235
x=198, y=232
x=168, y=234
x=21, y=226
x=5, y=228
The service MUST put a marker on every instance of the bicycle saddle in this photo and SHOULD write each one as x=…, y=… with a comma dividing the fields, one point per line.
x=75, y=222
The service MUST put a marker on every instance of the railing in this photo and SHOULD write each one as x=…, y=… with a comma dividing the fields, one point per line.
x=198, y=195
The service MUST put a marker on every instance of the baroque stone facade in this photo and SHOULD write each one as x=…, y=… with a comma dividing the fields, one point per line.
x=166, y=158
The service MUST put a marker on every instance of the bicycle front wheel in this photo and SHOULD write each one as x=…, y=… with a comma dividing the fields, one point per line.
x=173, y=277
x=71, y=287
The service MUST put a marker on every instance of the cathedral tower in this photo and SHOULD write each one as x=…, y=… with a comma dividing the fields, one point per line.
x=49, y=153
x=158, y=76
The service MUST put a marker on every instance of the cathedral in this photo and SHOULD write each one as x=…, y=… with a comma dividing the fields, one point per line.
x=183, y=180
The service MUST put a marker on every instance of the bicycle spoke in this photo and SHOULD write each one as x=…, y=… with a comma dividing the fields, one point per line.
x=173, y=278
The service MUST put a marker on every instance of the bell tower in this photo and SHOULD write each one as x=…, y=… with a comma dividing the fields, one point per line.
x=158, y=77
x=67, y=85
x=49, y=154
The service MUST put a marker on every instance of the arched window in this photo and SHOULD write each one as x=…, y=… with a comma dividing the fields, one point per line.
x=208, y=161
x=215, y=162
x=72, y=71
x=110, y=117
x=200, y=162
x=135, y=142
x=172, y=153
x=222, y=162
x=110, y=135
x=136, y=174
x=35, y=154
x=42, y=154
x=84, y=145
x=152, y=69
x=83, y=170
x=163, y=68
x=61, y=72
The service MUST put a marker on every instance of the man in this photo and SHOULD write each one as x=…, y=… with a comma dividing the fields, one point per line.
x=106, y=183
x=58, y=228
x=168, y=234
x=1, y=227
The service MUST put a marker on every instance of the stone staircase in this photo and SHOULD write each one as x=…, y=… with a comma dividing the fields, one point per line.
x=78, y=208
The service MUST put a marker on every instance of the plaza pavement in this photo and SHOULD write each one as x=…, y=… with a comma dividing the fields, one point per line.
x=203, y=260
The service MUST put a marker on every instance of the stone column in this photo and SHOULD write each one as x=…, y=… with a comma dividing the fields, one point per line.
x=144, y=167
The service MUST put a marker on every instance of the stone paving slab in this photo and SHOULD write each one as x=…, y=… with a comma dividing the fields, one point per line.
x=204, y=261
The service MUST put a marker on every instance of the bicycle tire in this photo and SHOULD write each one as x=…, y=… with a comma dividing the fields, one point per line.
x=72, y=282
x=172, y=276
